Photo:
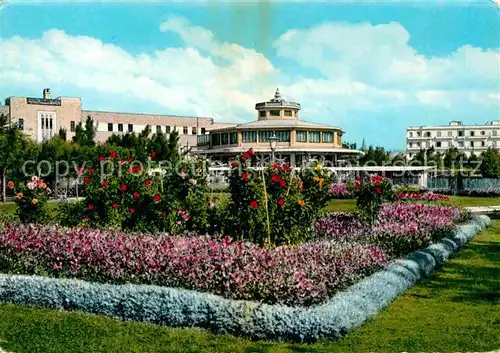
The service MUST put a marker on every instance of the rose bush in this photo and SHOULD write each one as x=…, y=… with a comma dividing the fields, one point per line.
x=296, y=275
x=275, y=205
x=31, y=200
x=370, y=193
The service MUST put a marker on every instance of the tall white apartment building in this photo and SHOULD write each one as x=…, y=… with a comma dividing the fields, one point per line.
x=466, y=138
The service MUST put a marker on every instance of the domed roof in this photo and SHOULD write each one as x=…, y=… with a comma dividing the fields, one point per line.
x=277, y=102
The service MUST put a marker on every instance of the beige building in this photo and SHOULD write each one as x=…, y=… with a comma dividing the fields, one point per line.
x=41, y=118
x=277, y=127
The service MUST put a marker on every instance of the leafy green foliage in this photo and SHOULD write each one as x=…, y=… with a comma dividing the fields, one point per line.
x=31, y=201
x=490, y=167
x=370, y=193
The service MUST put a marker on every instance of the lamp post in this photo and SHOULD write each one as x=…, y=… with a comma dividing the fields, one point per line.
x=273, y=141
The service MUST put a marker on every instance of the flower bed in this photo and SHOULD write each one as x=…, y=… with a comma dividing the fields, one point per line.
x=177, y=307
x=295, y=275
x=422, y=197
x=340, y=191
x=401, y=227
x=491, y=192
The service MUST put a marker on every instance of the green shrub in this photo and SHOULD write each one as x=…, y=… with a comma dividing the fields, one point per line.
x=70, y=213
x=275, y=205
x=31, y=200
x=370, y=193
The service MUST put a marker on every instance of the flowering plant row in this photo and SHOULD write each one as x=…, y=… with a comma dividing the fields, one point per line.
x=31, y=200
x=293, y=275
x=275, y=205
x=422, y=197
x=401, y=227
x=370, y=193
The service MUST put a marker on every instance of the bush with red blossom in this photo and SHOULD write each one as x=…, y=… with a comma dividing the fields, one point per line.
x=370, y=193
x=274, y=205
x=296, y=275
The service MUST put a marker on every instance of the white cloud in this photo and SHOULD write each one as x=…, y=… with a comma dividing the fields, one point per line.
x=366, y=70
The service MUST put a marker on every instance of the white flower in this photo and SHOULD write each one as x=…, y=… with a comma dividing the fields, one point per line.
x=34, y=178
x=31, y=185
x=192, y=181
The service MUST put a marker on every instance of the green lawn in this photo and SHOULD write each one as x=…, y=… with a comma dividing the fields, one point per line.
x=455, y=310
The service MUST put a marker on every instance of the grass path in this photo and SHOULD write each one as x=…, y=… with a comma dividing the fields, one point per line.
x=454, y=311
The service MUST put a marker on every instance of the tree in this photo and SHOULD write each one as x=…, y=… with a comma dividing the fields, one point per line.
x=490, y=167
x=399, y=159
x=375, y=156
x=453, y=158
x=85, y=134
x=10, y=149
x=62, y=134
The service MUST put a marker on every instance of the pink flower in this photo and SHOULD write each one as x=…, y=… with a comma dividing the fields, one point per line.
x=192, y=181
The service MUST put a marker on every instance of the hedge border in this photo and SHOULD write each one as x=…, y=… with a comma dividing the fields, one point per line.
x=186, y=308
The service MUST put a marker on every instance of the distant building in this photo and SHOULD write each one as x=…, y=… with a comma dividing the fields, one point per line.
x=298, y=140
x=466, y=138
x=41, y=118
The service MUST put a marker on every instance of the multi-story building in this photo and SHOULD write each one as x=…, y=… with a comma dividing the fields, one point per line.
x=466, y=138
x=295, y=140
x=41, y=118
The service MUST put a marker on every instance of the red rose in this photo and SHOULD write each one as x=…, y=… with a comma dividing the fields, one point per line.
x=86, y=180
x=130, y=159
x=379, y=191
x=156, y=198
x=244, y=176
x=122, y=161
x=90, y=207
x=114, y=205
x=79, y=170
x=113, y=154
x=91, y=171
x=283, y=183
x=254, y=204
x=275, y=165
x=132, y=210
x=235, y=164
x=153, y=155
x=102, y=158
x=275, y=178
x=104, y=183
x=251, y=152
x=281, y=202
x=123, y=187
x=136, y=195
x=245, y=156
x=147, y=182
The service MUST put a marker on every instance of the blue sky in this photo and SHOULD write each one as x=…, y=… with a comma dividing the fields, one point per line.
x=372, y=69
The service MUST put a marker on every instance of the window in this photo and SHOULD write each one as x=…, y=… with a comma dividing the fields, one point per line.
x=185, y=130
x=301, y=136
x=167, y=129
x=215, y=139
x=72, y=126
x=483, y=133
x=410, y=134
x=249, y=136
x=495, y=132
x=460, y=133
x=265, y=135
x=419, y=134
x=438, y=144
x=427, y=134
x=20, y=124
x=203, y=131
x=418, y=144
x=50, y=123
x=410, y=145
x=283, y=136
x=262, y=113
x=158, y=129
x=439, y=134
x=288, y=113
x=327, y=137
x=460, y=144
x=130, y=127
x=110, y=126
x=193, y=130
x=450, y=133
x=274, y=113
x=120, y=127
x=225, y=139
x=472, y=133
x=233, y=138
x=472, y=143
x=314, y=136
x=483, y=143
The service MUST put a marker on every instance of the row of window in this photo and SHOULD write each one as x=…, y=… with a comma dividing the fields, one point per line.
x=314, y=136
x=159, y=128
x=283, y=136
x=286, y=112
x=450, y=133
x=440, y=144
x=228, y=138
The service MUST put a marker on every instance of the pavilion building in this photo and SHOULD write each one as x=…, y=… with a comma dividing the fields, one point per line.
x=277, y=131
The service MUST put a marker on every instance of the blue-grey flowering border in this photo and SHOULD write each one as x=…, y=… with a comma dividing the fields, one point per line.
x=179, y=307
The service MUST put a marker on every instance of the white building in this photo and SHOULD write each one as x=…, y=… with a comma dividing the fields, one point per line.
x=466, y=138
